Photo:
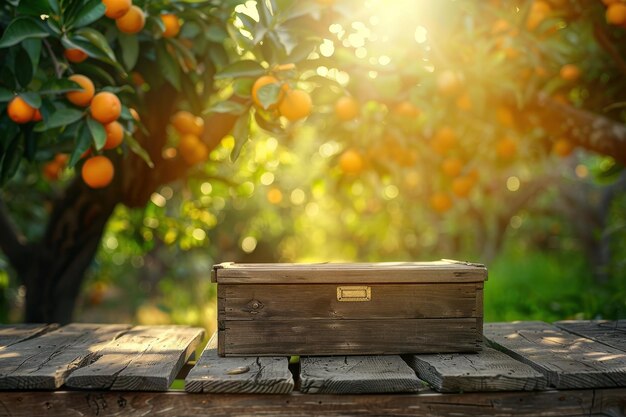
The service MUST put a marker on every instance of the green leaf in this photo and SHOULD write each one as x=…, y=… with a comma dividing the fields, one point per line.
x=136, y=148
x=22, y=28
x=83, y=142
x=302, y=51
x=130, y=50
x=5, y=95
x=58, y=86
x=230, y=107
x=23, y=67
x=62, y=117
x=34, y=7
x=30, y=144
x=11, y=160
x=32, y=98
x=265, y=15
x=97, y=73
x=54, y=6
x=268, y=95
x=33, y=48
x=244, y=68
x=241, y=133
x=98, y=134
x=243, y=86
x=89, y=13
x=169, y=67
x=98, y=40
x=216, y=34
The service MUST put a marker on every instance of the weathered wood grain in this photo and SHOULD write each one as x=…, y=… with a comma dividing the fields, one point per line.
x=567, y=360
x=588, y=403
x=45, y=361
x=611, y=333
x=11, y=334
x=488, y=370
x=146, y=358
x=357, y=375
x=213, y=374
x=348, y=337
x=362, y=273
x=269, y=302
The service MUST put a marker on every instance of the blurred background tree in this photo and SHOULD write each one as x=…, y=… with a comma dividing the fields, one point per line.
x=491, y=131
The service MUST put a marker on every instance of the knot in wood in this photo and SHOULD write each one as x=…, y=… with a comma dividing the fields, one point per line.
x=254, y=306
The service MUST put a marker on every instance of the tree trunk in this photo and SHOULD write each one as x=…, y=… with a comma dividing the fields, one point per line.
x=55, y=267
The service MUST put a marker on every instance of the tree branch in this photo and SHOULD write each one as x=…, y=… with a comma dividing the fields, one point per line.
x=12, y=242
x=589, y=130
x=603, y=40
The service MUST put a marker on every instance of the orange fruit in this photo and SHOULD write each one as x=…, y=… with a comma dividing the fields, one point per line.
x=406, y=109
x=37, y=116
x=61, y=159
x=462, y=186
x=137, y=78
x=132, y=21
x=452, y=166
x=440, y=202
x=505, y=116
x=263, y=81
x=192, y=149
x=98, y=171
x=570, y=72
x=616, y=14
x=172, y=25
x=51, y=171
x=274, y=195
x=115, y=135
x=443, y=140
x=351, y=162
x=464, y=102
x=186, y=123
x=116, y=8
x=347, y=108
x=295, y=105
x=500, y=26
x=82, y=97
x=75, y=55
x=20, y=111
x=539, y=11
x=506, y=148
x=448, y=82
x=562, y=147
x=105, y=107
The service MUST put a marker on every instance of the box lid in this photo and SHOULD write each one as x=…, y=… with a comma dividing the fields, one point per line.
x=318, y=273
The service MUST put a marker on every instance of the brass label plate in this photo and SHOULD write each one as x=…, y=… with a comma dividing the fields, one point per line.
x=354, y=293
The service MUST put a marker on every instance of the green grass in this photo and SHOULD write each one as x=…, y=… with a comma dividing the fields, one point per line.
x=534, y=285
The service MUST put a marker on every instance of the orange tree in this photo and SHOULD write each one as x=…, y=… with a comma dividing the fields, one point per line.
x=436, y=103
x=132, y=95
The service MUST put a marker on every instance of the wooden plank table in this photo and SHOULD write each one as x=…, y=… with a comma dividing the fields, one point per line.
x=525, y=369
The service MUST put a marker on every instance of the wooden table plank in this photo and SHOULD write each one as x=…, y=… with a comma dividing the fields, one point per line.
x=587, y=403
x=267, y=375
x=11, y=334
x=567, y=360
x=611, y=333
x=44, y=362
x=357, y=375
x=146, y=358
x=488, y=370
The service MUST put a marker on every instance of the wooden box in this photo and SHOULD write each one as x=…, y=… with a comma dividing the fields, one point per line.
x=349, y=309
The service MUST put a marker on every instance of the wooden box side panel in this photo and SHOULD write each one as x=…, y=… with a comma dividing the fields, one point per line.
x=348, y=337
x=320, y=301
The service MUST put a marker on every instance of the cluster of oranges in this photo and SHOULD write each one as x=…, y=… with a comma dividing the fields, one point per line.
x=190, y=129
x=52, y=170
x=293, y=104
x=615, y=12
x=104, y=107
x=128, y=18
x=21, y=112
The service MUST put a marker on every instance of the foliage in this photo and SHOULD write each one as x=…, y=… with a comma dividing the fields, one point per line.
x=425, y=138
